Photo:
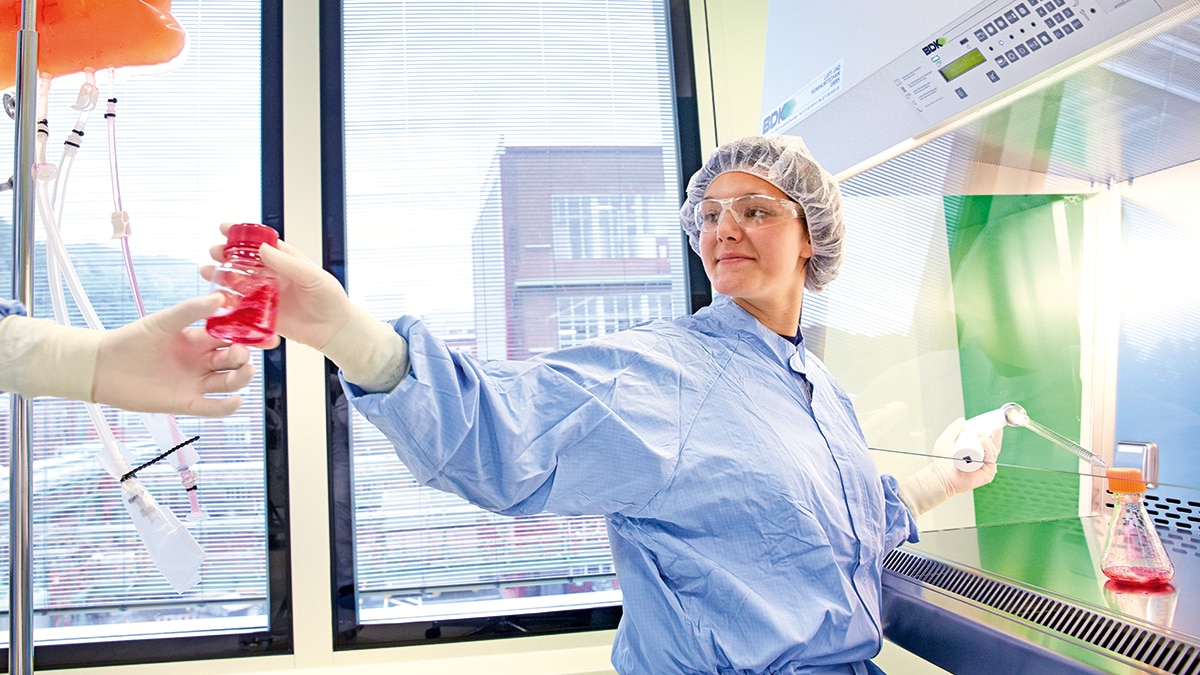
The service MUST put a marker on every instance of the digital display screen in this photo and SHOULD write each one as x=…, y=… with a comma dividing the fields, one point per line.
x=962, y=64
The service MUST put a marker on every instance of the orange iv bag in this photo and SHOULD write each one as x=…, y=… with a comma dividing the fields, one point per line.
x=77, y=34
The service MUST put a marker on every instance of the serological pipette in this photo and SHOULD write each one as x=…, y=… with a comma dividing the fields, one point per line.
x=1015, y=416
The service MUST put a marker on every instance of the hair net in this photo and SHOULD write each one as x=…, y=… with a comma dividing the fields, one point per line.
x=786, y=163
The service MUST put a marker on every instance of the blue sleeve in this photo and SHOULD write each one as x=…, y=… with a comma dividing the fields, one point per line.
x=8, y=307
x=522, y=437
x=899, y=526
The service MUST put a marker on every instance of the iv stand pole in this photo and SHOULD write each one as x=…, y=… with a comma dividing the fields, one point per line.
x=20, y=490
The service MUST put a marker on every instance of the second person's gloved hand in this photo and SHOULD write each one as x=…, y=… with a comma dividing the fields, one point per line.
x=314, y=310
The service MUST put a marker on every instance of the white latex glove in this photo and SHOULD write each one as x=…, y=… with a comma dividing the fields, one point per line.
x=940, y=479
x=314, y=310
x=155, y=364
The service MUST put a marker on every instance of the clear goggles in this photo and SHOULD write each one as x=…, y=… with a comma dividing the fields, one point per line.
x=750, y=211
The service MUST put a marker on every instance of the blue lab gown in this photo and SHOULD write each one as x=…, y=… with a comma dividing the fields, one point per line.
x=747, y=525
x=9, y=307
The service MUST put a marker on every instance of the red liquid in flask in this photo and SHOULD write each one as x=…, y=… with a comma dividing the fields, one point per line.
x=1140, y=576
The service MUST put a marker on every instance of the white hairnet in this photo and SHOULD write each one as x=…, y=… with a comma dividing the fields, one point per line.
x=786, y=163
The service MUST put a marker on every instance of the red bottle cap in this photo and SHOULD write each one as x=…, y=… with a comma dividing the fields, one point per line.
x=250, y=235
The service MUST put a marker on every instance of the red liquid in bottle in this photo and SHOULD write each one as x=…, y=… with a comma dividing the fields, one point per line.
x=251, y=319
x=251, y=290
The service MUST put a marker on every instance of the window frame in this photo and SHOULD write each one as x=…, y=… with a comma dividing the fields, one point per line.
x=348, y=632
x=278, y=637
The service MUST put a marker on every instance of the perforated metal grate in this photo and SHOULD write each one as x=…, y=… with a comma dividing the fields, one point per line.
x=1134, y=642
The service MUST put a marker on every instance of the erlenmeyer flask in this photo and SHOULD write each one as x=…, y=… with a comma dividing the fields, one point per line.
x=1133, y=553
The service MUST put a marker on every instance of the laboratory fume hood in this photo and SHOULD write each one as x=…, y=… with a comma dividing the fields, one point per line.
x=1022, y=196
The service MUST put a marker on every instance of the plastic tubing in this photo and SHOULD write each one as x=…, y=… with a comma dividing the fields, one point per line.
x=187, y=457
x=114, y=176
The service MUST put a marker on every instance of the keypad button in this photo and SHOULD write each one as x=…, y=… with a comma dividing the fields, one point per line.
x=1068, y=29
x=1044, y=37
x=1077, y=24
x=1050, y=22
x=1041, y=11
x=1022, y=10
x=1058, y=33
x=1067, y=12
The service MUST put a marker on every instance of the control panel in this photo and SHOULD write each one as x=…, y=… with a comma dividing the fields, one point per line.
x=1000, y=45
x=975, y=58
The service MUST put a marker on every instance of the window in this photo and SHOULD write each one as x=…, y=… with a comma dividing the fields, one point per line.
x=512, y=177
x=191, y=152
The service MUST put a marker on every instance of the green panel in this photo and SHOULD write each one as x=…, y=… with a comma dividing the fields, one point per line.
x=1015, y=275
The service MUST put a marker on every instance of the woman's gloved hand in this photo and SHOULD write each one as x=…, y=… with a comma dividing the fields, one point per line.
x=155, y=364
x=941, y=479
x=312, y=305
x=314, y=310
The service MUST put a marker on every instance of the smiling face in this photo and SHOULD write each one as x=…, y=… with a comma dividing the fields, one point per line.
x=761, y=269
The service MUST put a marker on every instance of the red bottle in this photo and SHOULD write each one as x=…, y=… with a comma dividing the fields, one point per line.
x=251, y=290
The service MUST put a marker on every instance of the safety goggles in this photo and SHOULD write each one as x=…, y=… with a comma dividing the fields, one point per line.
x=750, y=211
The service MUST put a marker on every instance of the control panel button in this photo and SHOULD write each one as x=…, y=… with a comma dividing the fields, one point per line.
x=1011, y=16
x=1000, y=22
x=1068, y=29
x=1041, y=11
x=1077, y=24
x=1050, y=22
x=1058, y=33
x=981, y=35
x=1022, y=50
x=1045, y=38
x=1067, y=12
x=1022, y=10
x=991, y=30
x=991, y=75
x=1001, y=61
x=1033, y=44
x=1012, y=56
x=962, y=93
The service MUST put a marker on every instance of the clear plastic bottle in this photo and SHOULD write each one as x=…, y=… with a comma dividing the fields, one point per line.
x=251, y=290
x=1133, y=553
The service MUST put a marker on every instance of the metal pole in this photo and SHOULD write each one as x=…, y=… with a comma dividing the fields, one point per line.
x=20, y=465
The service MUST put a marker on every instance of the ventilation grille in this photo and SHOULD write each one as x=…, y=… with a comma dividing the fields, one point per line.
x=1129, y=640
